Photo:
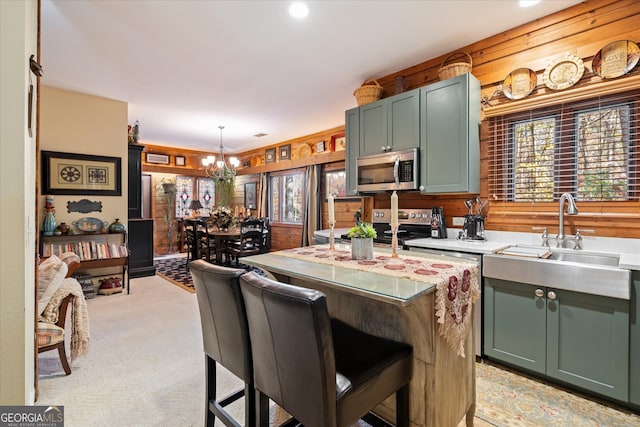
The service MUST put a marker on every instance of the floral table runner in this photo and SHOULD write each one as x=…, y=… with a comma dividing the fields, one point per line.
x=457, y=285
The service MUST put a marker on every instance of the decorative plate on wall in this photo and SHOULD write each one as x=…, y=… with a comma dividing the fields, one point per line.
x=616, y=59
x=304, y=151
x=563, y=72
x=519, y=83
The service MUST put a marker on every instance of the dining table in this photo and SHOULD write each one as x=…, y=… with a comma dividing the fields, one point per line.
x=221, y=239
x=425, y=300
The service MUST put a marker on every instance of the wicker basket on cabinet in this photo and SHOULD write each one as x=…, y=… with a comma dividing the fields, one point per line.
x=455, y=68
x=368, y=92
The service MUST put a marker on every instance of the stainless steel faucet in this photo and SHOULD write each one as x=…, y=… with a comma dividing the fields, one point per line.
x=573, y=210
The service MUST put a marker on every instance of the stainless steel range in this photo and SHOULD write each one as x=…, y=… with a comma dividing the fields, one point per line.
x=413, y=224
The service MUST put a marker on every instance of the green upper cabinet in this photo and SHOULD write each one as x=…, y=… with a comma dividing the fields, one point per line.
x=403, y=121
x=352, y=118
x=449, y=136
x=373, y=128
x=390, y=124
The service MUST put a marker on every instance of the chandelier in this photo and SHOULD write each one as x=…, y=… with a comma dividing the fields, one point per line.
x=220, y=170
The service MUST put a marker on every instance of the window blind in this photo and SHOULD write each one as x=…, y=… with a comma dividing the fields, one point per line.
x=589, y=148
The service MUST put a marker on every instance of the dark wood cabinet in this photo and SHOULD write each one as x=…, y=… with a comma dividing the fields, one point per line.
x=141, y=247
x=140, y=229
x=135, y=181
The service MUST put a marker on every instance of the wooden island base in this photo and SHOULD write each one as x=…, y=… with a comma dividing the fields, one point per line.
x=442, y=390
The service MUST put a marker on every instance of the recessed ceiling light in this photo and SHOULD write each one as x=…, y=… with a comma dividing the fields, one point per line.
x=528, y=3
x=298, y=10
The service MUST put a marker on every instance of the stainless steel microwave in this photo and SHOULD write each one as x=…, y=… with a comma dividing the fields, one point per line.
x=394, y=170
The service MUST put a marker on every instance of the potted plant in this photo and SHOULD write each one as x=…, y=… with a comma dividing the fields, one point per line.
x=225, y=188
x=362, y=235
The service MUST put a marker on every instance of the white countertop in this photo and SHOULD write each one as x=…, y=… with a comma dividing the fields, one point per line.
x=337, y=232
x=627, y=249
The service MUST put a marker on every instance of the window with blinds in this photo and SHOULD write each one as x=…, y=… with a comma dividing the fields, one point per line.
x=590, y=149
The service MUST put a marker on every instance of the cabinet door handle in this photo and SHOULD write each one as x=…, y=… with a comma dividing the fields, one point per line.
x=551, y=295
x=539, y=293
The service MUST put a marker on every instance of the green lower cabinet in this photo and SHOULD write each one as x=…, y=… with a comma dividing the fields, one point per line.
x=515, y=324
x=576, y=338
x=634, y=374
x=588, y=342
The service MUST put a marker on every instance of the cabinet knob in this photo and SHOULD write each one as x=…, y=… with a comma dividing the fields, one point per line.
x=551, y=295
x=388, y=148
x=539, y=293
x=383, y=148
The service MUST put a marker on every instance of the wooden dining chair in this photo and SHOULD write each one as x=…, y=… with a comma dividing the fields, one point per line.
x=251, y=241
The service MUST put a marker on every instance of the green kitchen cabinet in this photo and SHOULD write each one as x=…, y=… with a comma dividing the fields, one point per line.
x=573, y=337
x=403, y=121
x=450, y=136
x=352, y=118
x=373, y=128
x=390, y=124
x=515, y=324
x=634, y=352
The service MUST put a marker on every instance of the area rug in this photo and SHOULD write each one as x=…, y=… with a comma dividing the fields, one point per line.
x=175, y=271
x=506, y=399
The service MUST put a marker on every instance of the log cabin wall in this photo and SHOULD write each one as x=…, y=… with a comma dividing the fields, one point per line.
x=284, y=236
x=581, y=30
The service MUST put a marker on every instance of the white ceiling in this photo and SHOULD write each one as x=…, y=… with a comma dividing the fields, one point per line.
x=187, y=66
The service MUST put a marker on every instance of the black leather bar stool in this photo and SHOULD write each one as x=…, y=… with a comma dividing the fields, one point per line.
x=225, y=336
x=320, y=370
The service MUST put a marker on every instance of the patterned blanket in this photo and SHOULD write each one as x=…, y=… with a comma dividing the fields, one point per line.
x=457, y=285
x=79, y=315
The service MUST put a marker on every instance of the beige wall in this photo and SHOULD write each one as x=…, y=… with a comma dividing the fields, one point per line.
x=74, y=122
x=18, y=41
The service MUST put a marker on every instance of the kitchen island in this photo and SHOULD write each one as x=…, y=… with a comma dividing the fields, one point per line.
x=442, y=389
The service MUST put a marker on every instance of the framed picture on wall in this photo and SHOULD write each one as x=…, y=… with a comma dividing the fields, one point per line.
x=270, y=155
x=72, y=174
x=285, y=152
x=180, y=161
x=250, y=195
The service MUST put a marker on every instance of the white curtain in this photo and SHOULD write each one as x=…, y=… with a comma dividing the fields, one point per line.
x=311, y=215
x=263, y=208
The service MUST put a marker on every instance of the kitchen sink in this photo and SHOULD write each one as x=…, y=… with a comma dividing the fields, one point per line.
x=586, y=258
x=591, y=273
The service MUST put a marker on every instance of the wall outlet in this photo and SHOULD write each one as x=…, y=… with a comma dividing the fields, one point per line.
x=458, y=220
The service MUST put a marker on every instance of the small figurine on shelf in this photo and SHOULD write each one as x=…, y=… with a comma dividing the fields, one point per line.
x=134, y=133
x=49, y=224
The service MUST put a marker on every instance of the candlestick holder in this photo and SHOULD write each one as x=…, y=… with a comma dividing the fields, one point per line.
x=394, y=246
x=332, y=246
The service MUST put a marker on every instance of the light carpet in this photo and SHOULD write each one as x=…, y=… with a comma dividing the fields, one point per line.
x=146, y=368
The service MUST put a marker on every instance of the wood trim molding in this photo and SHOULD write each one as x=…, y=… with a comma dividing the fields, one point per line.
x=596, y=89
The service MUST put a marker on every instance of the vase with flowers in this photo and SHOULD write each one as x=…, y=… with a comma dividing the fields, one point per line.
x=222, y=217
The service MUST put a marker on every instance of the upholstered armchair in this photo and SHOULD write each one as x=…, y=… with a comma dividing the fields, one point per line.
x=57, y=291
